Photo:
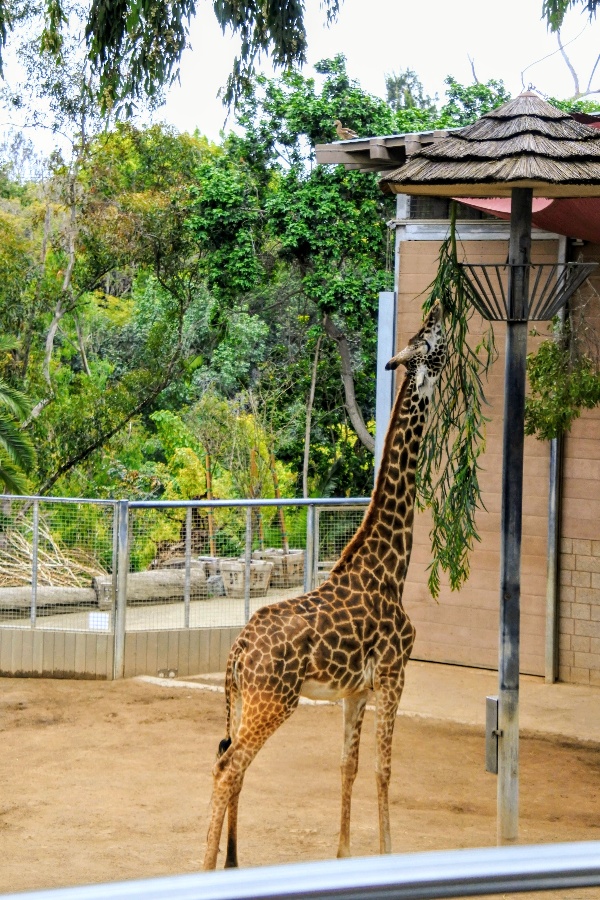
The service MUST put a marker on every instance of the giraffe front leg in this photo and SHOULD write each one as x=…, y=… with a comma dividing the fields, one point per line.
x=354, y=711
x=387, y=700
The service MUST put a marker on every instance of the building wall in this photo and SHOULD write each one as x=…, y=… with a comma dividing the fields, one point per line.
x=579, y=606
x=462, y=627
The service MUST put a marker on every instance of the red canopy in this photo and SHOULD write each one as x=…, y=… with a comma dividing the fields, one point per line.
x=577, y=218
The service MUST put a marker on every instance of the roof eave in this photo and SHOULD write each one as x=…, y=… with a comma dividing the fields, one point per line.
x=492, y=189
x=378, y=154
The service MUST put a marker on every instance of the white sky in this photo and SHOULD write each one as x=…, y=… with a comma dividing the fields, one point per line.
x=435, y=38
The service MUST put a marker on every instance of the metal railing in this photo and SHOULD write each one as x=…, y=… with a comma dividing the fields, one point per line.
x=121, y=566
x=412, y=876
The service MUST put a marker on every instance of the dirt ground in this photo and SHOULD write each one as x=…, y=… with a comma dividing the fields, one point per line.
x=109, y=781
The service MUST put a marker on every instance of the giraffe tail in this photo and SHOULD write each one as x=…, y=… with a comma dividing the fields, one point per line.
x=230, y=682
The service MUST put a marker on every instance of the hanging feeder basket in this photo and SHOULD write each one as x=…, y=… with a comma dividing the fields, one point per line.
x=550, y=286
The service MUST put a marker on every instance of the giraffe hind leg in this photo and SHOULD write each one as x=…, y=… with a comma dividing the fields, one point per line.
x=232, y=819
x=228, y=775
x=354, y=711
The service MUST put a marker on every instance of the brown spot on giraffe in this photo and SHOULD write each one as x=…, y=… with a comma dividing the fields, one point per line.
x=348, y=636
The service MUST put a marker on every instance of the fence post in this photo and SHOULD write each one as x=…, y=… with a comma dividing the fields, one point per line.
x=121, y=598
x=309, y=560
x=34, y=562
x=248, y=561
x=188, y=564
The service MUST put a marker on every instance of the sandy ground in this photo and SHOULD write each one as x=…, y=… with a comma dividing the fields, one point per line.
x=109, y=781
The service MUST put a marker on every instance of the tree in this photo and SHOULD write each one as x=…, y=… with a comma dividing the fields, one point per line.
x=554, y=11
x=136, y=47
x=405, y=91
x=16, y=451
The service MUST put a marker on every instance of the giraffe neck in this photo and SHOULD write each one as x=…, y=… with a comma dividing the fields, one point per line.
x=385, y=536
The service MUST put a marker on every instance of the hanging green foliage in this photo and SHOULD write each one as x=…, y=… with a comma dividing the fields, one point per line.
x=563, y=380
x=447, y=472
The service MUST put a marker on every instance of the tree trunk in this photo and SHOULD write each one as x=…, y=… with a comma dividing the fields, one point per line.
x=358, y=423
x=309, y=409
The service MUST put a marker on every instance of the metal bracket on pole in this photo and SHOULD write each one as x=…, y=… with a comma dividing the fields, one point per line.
x=491, y=735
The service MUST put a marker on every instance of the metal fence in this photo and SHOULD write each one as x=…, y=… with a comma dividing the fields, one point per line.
x=411, y=876
x=54, y=553
x=80, y=565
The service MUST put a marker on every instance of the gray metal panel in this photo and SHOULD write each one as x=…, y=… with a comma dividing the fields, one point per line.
x=491, y=735
x=37, y=652
x=203, y=651
x=193, y=653
x=411, y=876
x=214, y=650
x=386, y=348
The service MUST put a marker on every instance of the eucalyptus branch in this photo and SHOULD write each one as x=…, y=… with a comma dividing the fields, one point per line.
x=568, y=64
x=589, y=89
x=447, y=473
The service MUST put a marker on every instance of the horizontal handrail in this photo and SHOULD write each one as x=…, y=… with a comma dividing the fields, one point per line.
x=29, y=497
x=163, y=504
x=412, y=876
x=281, y=501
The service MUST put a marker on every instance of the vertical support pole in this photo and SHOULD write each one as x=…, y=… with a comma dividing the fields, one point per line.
x=511, y=516
x=386, y=348
x=188, y=564
x=554, y=501
x=210, y=513
x=121, y=599
x=551, y=662
x=248, y=561
x=316, y=546
x=309, y=555
x=34, y=562
x=115, y=563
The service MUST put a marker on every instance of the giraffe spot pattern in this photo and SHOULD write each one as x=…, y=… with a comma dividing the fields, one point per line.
x=348, y=635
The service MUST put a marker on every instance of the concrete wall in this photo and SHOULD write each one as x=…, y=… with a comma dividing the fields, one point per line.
x=579, y=609
x=64, y=654
x=55, y=654
x=185, y=652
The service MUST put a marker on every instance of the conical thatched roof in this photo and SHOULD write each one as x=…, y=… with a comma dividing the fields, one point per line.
x=524, y=143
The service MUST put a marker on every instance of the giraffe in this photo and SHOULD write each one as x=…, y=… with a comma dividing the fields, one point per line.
x=346, y=637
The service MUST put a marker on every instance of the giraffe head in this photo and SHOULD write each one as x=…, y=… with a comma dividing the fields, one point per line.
x=425, y=354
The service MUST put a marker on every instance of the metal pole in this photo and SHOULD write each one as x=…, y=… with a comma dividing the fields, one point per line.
x=554, y=502
x=386, y=348
x=188, y=563
x=115, y=564
x=511, y=516
x=310, y=549
x=248, y=561
x=34, y=562
x=121, y=601
x=554, y=516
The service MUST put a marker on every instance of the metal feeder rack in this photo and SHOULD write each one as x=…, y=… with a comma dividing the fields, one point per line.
x=551, y=286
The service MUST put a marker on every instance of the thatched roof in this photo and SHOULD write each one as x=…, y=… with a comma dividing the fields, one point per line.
x=524, y=143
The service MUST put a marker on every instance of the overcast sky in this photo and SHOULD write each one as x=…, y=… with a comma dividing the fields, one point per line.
x=435, y=38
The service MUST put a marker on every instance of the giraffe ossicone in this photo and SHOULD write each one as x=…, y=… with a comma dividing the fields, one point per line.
x=347, y=637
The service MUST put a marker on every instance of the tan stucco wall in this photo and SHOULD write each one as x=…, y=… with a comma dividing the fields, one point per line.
x=462, y=627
